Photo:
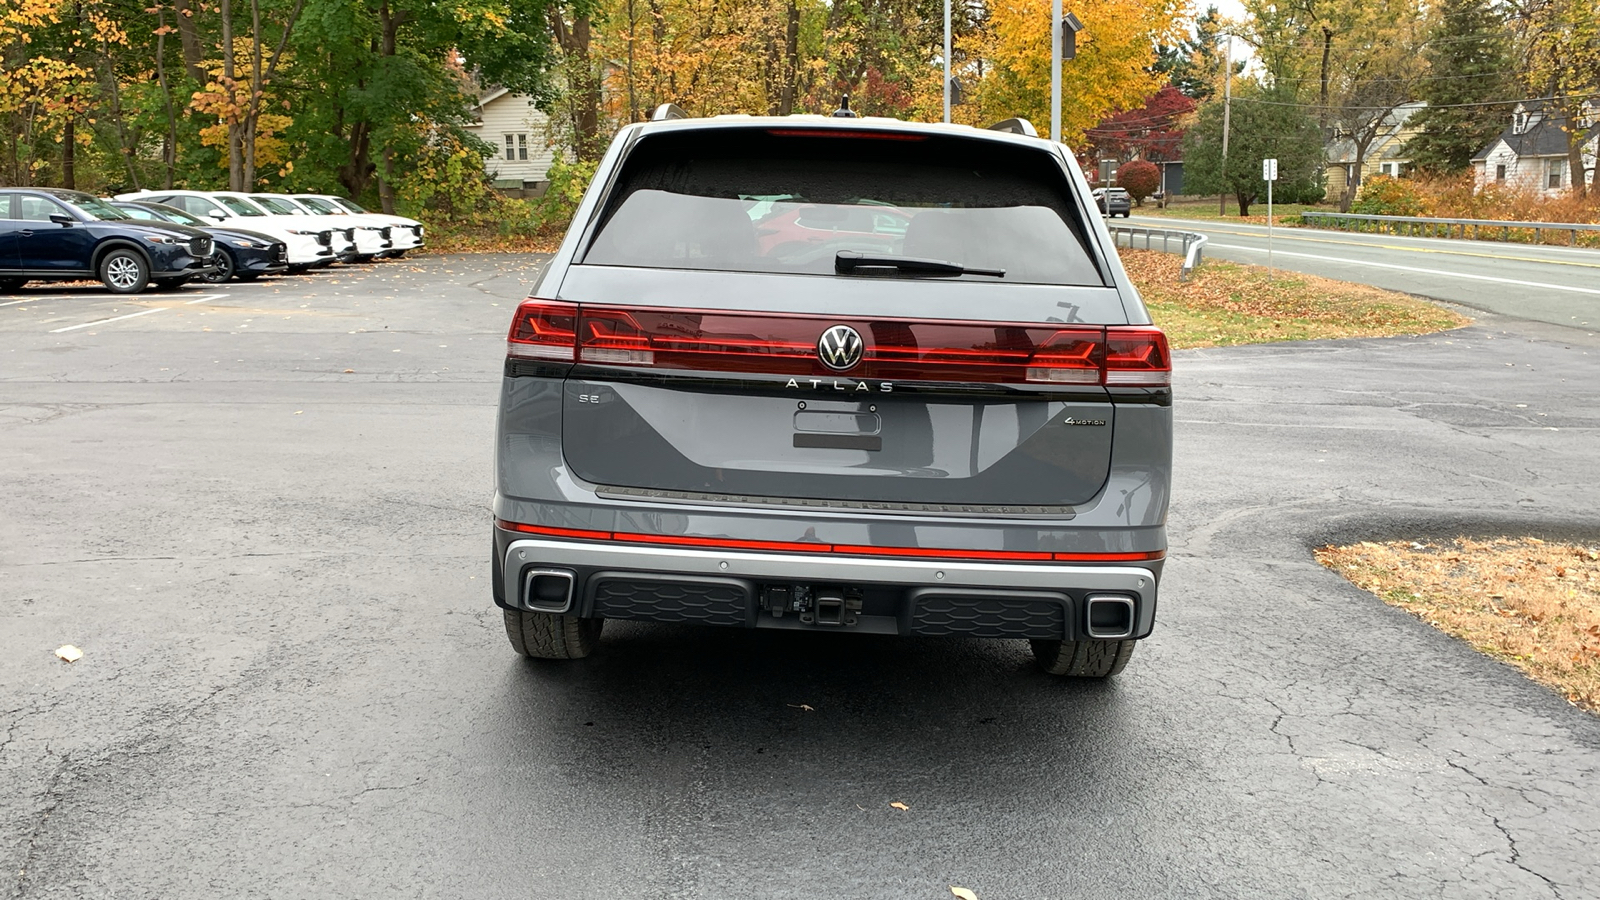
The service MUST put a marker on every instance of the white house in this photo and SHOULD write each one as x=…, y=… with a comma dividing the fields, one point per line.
x=1532, y=151
x=520, y=135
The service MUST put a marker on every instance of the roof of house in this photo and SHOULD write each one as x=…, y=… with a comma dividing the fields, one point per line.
x=1544, y=138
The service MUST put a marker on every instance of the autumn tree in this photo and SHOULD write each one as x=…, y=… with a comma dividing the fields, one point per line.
x=1375, y=75
x=1152, y=131
x=47, y=85
x=1267, y=122
x=1563, y=53
x=1112, y=71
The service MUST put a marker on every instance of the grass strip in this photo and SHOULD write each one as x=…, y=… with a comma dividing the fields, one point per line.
x=1531, y=603
x=1224, y=303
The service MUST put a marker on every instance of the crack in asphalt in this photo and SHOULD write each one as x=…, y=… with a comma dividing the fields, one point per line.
x=1516, y=858
x=40, y=820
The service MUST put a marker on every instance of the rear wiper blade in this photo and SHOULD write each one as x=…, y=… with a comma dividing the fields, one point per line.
x=853, y=262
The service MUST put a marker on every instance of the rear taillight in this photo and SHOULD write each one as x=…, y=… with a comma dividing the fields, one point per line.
x=892, y=349
x=1137, y=357
x=544, y=329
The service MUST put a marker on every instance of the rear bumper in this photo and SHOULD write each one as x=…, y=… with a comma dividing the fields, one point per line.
x=890, y=595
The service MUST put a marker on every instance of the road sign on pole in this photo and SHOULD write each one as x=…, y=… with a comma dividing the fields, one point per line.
x=1269, y=174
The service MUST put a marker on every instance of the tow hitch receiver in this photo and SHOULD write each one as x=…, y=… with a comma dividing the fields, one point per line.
x=813, y=604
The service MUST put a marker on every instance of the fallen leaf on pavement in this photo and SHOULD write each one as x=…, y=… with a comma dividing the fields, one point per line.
x=800, y=706
x=900, y=806
x=69, y=653
x=963, y=893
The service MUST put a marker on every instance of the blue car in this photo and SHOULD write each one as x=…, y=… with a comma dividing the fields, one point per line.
x=48, y=234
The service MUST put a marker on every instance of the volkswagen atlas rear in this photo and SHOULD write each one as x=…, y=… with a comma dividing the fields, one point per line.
x=947, y=413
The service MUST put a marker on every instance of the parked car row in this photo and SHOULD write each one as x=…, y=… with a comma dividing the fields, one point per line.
x=167, y=238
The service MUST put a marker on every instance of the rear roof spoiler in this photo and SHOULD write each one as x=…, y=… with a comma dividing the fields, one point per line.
x=668, y=111
x=1015, y=126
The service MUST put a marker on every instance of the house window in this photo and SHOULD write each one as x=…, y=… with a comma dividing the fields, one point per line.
x=522, y=146
x=1500, y=172
x=511, y=146
x=1553, y=172
x=516, y=147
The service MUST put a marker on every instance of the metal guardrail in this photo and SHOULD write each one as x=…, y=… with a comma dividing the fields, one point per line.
x=1193, y=244
x=1426, y=226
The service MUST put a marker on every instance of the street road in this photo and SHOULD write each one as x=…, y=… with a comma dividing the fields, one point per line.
x=294, y=683
x=1558, y=285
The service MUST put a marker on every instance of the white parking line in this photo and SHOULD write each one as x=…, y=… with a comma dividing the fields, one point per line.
x=1420, y=271
x=143, y=312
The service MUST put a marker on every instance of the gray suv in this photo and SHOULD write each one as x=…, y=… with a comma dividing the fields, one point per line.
x=948, y=414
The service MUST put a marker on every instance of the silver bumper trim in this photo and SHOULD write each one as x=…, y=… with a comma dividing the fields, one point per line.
x=1134, y=580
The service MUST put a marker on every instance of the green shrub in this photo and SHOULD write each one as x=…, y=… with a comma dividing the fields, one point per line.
x=1299, y=190
x=568, y=180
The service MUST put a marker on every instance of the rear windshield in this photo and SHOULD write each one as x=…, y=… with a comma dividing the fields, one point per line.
x=787, y=201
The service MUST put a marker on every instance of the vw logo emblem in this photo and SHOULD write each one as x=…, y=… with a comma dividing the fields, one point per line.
x=840, y=347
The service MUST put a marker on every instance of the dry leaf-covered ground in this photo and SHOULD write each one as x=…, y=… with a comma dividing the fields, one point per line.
x=1226, y=303
x=1532, y=603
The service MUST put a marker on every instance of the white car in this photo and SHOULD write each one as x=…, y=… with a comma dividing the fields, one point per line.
x=406, y=234
x=309, y=242
x=369, y=237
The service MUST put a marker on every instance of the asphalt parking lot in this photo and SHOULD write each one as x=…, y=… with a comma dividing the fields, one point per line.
x=263, y=514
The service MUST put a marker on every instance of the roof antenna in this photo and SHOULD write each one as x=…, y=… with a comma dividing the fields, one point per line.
x=844, y=111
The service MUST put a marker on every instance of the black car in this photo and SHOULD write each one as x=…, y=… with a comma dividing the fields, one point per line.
x=241, y=254
x=48, y=234
x=1114, y=202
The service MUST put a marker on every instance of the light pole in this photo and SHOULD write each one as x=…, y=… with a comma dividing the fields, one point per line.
x=947, y=60
x=1227, y=116
x=1063, y=45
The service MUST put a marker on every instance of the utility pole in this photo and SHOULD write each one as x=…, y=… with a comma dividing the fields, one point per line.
x=1055, y=71
x=947, y=60
x=1227, y=121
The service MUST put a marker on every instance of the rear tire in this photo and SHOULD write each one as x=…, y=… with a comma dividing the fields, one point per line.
x=552, y=635
x=1083, y=659
x=124, y=272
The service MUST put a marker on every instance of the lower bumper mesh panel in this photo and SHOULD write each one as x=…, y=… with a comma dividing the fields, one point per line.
x=985, y=617
x=699, y=602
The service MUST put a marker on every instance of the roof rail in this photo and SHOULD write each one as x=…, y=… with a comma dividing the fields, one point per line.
x=668, y=111
x=1015, y=126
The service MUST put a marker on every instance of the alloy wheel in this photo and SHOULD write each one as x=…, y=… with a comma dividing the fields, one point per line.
x=123, y=273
